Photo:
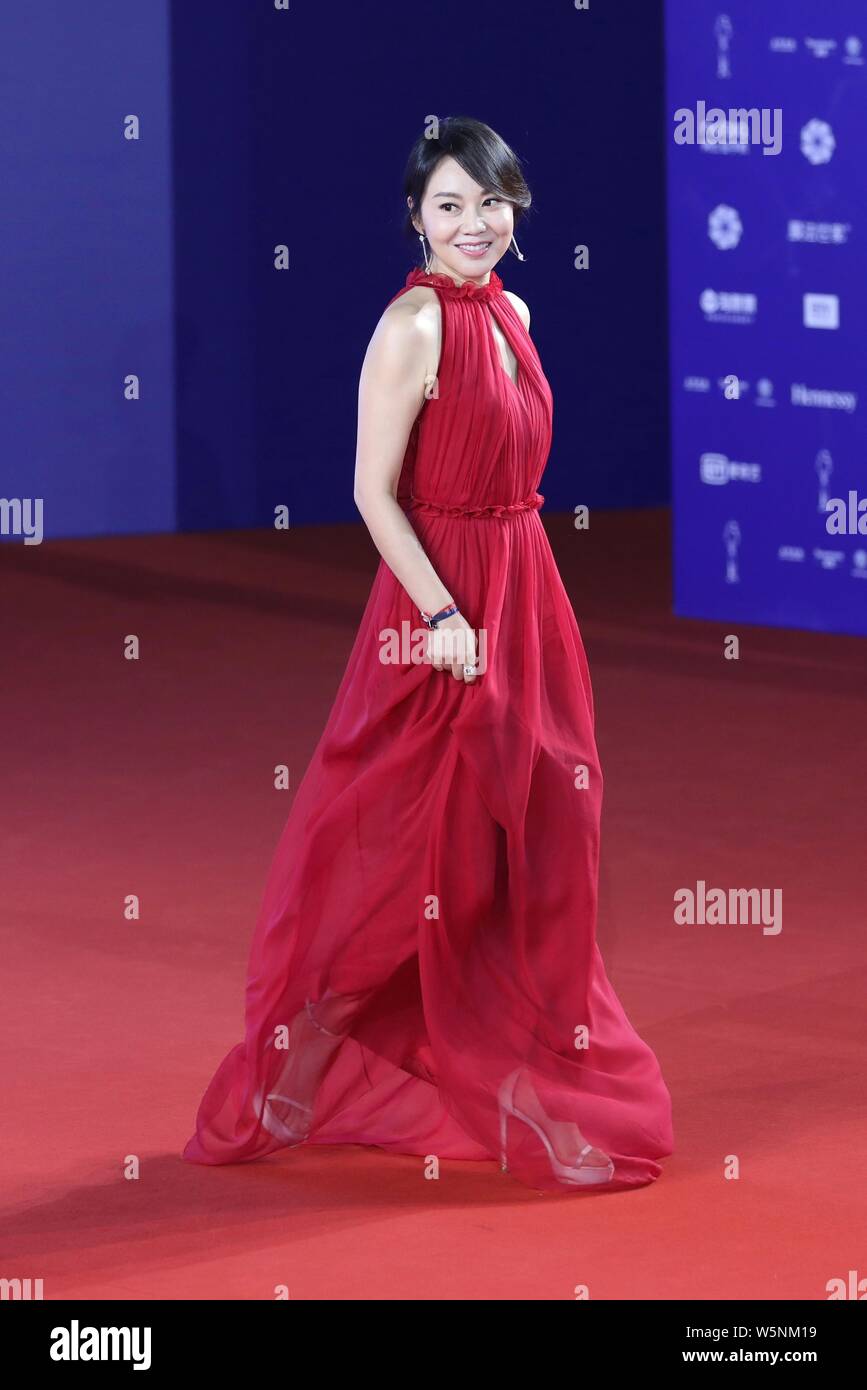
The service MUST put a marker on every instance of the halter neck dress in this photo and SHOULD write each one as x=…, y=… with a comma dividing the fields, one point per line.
x=433, y=894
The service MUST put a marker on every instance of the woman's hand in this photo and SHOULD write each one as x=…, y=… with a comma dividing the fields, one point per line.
x=451, y=646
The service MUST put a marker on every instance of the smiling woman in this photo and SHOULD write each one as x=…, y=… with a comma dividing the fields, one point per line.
x=469, y=211
x=424, y=974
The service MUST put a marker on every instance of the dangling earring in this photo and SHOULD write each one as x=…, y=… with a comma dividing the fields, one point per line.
x=513, y=245
x=427, y=263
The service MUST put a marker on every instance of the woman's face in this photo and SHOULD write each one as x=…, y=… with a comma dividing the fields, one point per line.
x=468, y=227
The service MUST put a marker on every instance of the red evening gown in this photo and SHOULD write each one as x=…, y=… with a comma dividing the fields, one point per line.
x=429, y=920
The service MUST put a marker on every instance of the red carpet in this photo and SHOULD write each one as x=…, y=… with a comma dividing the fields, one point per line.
x=155, y=778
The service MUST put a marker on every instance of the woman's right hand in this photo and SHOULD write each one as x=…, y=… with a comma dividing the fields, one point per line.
x=451, y=646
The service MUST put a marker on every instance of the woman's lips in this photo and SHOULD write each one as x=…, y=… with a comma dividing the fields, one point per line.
x=475, y=249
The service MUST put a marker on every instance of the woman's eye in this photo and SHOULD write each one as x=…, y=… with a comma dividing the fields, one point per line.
x=445, y=207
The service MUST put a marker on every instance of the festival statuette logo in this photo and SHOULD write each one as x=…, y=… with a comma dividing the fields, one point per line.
x=859, y=564
x=821, y=311
x=732, y=540
x=717, y=469
x=723, y=33
x=824, y=469
x=724, y=227
x=852, y=52
x=817, y=142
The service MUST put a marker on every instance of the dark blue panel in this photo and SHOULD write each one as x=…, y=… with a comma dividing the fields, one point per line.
x=86, y=266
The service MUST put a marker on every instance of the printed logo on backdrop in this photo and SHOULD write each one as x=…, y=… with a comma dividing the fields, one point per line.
x=824, y=466
x=762, y=396
x=724, y=227
x=732, y=541
x=820, y=48
x=728, y=306
x=819, y=399
x=829, y=559
x=821, y=311
x=731, y=141
x=722, y=29
x=817, y=142
x=764, y=392
x=718, y=469
x=822, y=233
x=851, y=52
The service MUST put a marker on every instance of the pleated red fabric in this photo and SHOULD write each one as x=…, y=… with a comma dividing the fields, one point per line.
x=424, y=966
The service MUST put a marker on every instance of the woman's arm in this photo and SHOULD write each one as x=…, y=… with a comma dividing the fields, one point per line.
x=390, y=394
x=400, y=358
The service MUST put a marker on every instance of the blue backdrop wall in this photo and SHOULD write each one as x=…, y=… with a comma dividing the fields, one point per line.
x=86, y=266
x=151, y=260
x=768, y=258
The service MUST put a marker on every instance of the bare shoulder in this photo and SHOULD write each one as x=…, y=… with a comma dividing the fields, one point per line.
x=413, y=318
x=406, y=338
x=520, y=307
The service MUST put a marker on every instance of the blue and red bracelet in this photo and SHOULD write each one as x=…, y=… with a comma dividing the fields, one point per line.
x=433, y=619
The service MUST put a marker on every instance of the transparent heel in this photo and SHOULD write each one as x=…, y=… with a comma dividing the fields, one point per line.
x=293, y=1129
x=578, y=1173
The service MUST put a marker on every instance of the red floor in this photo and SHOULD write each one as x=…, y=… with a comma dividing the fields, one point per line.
x=155, y=778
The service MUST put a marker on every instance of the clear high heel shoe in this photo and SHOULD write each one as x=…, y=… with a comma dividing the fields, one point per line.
x=577, y=1174
x=276, y=1124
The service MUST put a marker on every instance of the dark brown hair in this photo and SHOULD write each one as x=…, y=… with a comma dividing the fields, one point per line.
x=480, y=151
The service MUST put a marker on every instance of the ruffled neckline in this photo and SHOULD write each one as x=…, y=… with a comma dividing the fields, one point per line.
x=445, y=283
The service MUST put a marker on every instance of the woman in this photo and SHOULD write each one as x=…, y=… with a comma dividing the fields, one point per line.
x=424, y=974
